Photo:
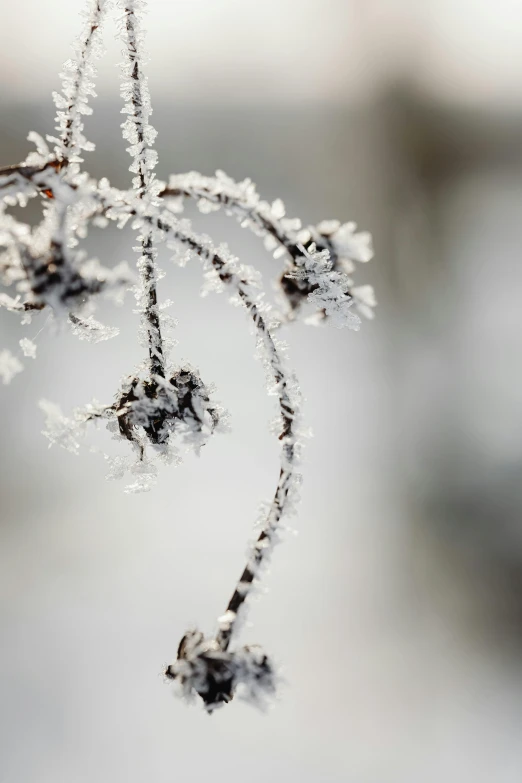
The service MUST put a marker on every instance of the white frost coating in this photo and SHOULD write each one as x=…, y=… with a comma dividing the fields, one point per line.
x=77, y=86
x=365, y=300
x=28, y=348
x=331, y=247
x=146, y=477
x=58, y=428
x=226, y=620
x=216, y=675
x=245, y=288
x=159, y=406
x=135, y=92
x=9, y=366
x=91, y=330
x=14, y=305
x=330, y=288
x=42, y=263
x=346, y=243
x=63, y=431
x=141, y=135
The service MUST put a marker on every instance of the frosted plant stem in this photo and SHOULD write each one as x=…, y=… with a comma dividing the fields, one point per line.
x=318, y=259
x=255, y=560
x=150, y=312
x=73, y=125
x=137, y=124
x=286, y=474
x=264, y=541
x=288, y=411
x=214, y=191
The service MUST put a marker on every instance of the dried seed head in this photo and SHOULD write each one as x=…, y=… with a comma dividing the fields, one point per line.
x=162, y=406
x=202, y=667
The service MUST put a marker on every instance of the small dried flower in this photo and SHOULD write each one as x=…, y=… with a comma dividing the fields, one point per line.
x=160, y=407
x=215, y=675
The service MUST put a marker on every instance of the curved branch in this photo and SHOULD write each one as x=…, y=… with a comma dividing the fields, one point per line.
x=239, y=199
x=284, y=386
x=286, y=236
x=230, y=275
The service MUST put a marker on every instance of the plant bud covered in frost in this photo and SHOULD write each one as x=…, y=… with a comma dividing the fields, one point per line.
x=318, y=259
x=160, y=407
x=42, y=263
x=202, y=668
x=146, y=412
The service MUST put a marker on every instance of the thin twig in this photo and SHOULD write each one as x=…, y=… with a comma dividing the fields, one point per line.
x=70, y=117
x=288, y=411
x=136, y=124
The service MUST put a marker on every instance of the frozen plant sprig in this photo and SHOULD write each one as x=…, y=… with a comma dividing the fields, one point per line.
x=161, y=404
x=340, y=245
x=141, y=135
x=77, y=85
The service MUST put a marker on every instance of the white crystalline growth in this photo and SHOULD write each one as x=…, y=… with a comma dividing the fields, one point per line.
x=365, y=300
x=135, y=92
x=331, y=287
x=78, y=76
x=28, y=348
x=91, y=330
x=284, y=237
x=144, y=483
x=347, y=243
x=59, y=429
x=9, y=366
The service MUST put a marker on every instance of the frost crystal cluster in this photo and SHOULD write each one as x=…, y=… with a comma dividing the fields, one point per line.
x=44, y=269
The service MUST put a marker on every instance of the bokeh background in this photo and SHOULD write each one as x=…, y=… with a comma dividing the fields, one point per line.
x=397, y=610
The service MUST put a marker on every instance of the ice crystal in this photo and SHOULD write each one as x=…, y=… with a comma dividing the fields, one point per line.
x=159, y=407
x=28, y=347
x=318, y=259
x=58, y=428
x=78, y=76
x=9, y=366
x=91, y=330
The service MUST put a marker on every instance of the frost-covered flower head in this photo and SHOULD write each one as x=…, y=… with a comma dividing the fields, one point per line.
x=202, y=667
x=320, y=273
x=159, y=407
x=148, y=411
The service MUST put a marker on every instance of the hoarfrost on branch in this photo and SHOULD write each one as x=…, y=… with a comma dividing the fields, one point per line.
x=160, y=405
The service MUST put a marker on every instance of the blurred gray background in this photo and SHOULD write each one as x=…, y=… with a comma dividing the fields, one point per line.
x=397, y=610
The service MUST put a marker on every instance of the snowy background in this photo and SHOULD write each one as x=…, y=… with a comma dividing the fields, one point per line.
x=397, y=610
